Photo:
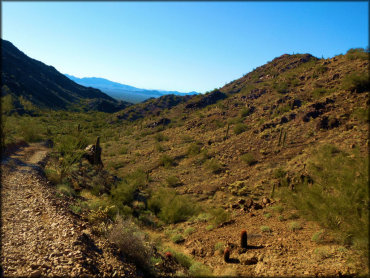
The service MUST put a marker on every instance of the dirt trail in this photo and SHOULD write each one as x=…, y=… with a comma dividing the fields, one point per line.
x=39, y=235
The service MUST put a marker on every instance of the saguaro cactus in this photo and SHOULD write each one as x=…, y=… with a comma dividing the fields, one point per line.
x=284, y=138
x=227, y=254
x=280, y=134
x=97, y=154
x=227, y=132
x=243, y=239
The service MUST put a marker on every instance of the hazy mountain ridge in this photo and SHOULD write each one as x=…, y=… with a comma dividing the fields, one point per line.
x=44, y=87
x=122, y=91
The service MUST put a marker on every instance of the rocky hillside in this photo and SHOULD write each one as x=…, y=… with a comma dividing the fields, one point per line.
x=280, y=153
x=43, y=86
x=239, y=146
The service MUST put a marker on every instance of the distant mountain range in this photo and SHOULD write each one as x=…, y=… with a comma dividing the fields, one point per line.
x=122, y=91
x=24, y=78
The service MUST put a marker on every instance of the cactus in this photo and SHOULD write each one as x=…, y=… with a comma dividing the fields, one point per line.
x=97, y=154
x=280, y=134
x=284, y=138
x=272, y=191
x=227, y=132
x=243, y=239
x=227, y=254
x=168, y=255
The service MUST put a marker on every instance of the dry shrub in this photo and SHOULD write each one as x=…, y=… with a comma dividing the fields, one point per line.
x=132, y=243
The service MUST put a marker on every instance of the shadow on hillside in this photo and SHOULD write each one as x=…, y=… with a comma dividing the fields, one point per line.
x=255, y=247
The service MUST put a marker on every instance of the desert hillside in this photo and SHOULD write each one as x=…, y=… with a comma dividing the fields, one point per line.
x=280, y=154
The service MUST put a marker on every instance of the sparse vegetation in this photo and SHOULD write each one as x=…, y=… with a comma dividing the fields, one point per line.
x=240, y=128
x=338, y=197
x=166, y=161
x=294, y=226
x=318, y=236
x=189, y=231
x=357, y=53
x=139, y=180
x=199, y=270
x=219, y=247
x=265, y=229
x=173, y=181
x=131, y=241
x=177, y=238
x=249, y=159
x=170, y=207
x=214, y=166
x=357, y=83
x=193, y=149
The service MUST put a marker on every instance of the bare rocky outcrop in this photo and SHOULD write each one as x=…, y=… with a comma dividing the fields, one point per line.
x=93, y=153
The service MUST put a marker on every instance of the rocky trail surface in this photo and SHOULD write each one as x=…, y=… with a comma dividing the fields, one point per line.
x=39, y=236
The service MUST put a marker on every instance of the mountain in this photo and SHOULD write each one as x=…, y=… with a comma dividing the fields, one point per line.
x=280, y=154
x=27, y=79
x=123, y=92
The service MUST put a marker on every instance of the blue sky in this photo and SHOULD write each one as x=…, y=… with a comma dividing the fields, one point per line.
x=184, y=46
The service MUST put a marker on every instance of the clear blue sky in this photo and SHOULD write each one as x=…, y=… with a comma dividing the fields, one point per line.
x=182, y=46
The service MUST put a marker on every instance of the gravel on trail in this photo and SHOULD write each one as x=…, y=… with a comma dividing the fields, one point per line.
x=39, y=236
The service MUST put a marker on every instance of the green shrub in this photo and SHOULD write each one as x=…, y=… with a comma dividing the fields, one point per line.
x=199, y=270
x=277, y=208
x=319, y=92
x=182, y=259
x=76, y=209
x=219, y=247
x=170, y=207
x=318, y=236
x=319, y=70
x=177, y=238
x=357, y=83
x=245, y=112
x=339, y=196
x=30, y=130
x=295, y=226
x=361, y=114
x=173, y=181
x=281, y=218
x=52, y=175
x=189, y=231
x=240, y=128
x=166, y=161
x=202, y=157
x=210, y=227
x=138, y=178
x=214, y=166
x=281, y=175
x=267, y=215
x=159, y=147
x=265, y=229
x=281, y=87
x=248, y=158
x=66, y=190
x=193, y=149
x=123, y=150
x=123, y=194
x=357, y=53
x=218, y=216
